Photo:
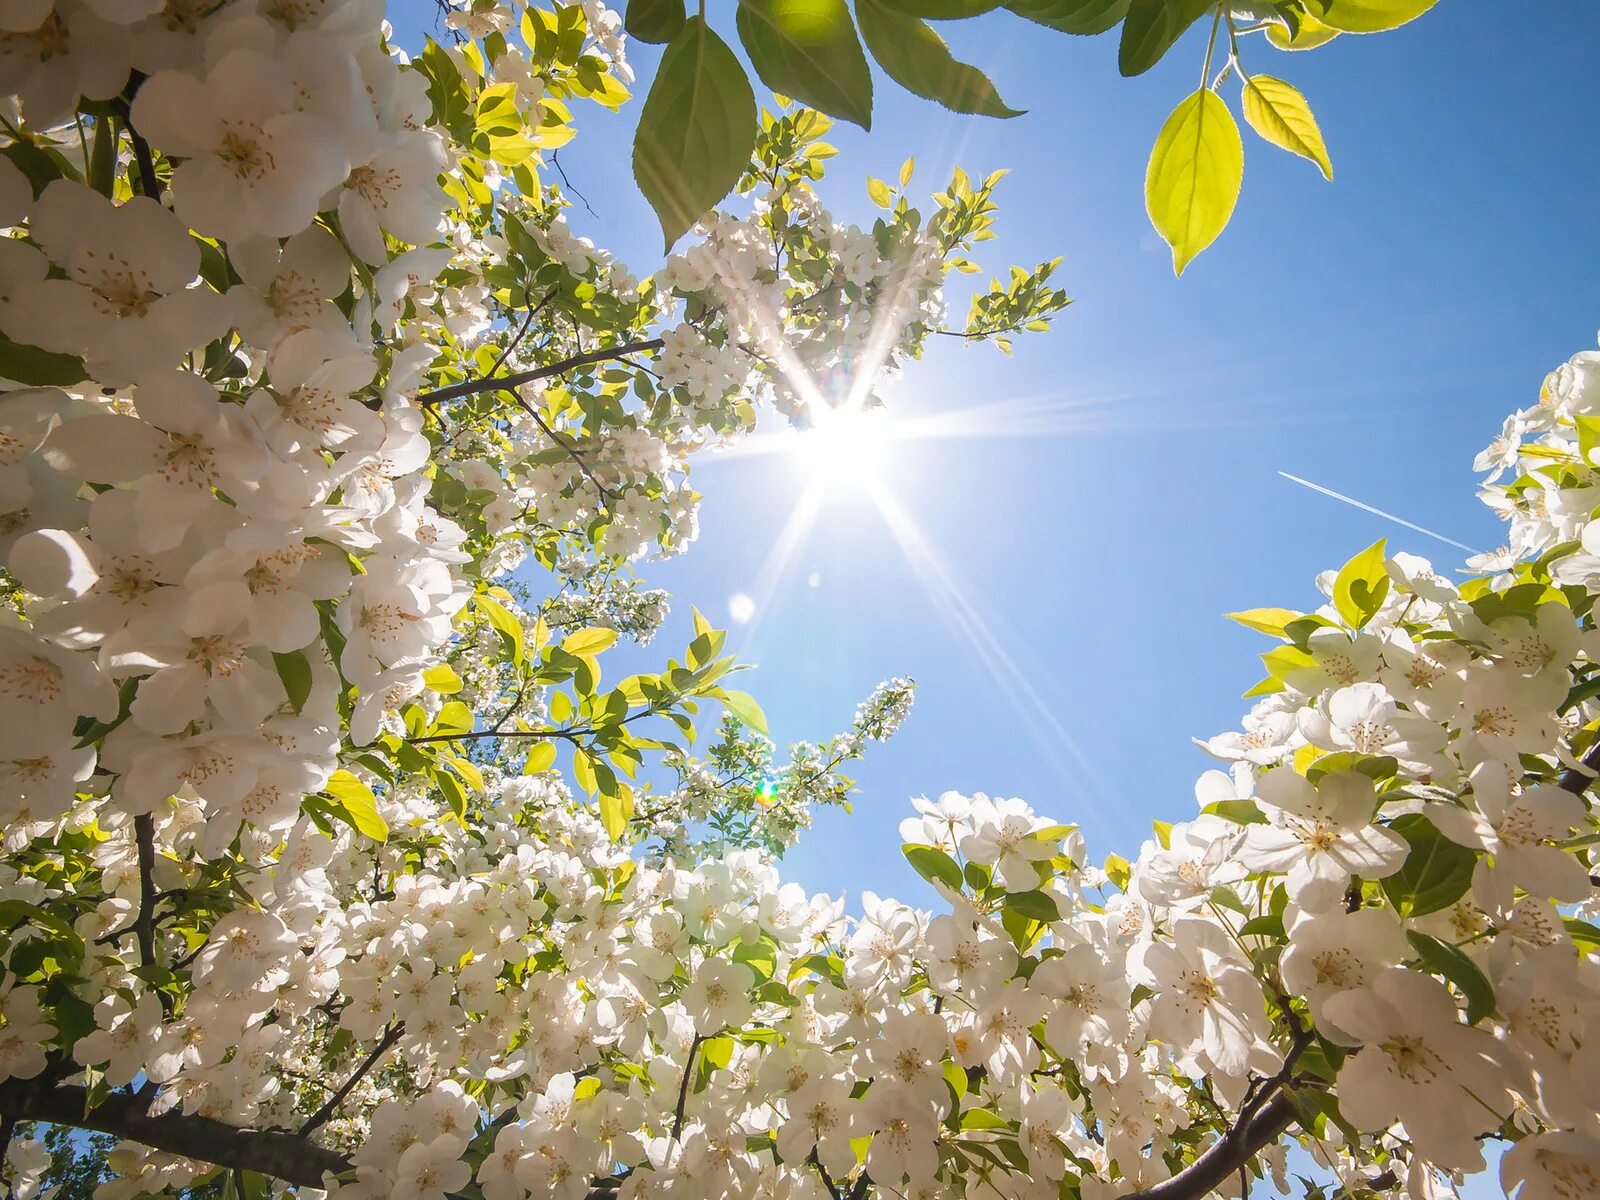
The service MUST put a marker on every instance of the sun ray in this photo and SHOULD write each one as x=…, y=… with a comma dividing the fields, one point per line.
x=949, y=596
x=775, y=567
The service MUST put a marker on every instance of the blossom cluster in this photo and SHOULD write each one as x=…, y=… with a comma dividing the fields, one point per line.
x=309, y=360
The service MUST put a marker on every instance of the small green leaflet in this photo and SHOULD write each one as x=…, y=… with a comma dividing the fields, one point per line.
x=295, y=672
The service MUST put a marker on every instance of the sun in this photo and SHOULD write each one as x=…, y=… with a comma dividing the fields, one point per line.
x=845, y=447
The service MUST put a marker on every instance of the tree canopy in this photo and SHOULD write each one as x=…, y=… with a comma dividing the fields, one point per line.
x=340, y=859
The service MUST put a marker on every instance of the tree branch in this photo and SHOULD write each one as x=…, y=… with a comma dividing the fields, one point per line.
x=1231, y=1151
x=1577, y=779
x=472, y=387
x=286, y=1156
x=391, y=1035
x=683, y=1088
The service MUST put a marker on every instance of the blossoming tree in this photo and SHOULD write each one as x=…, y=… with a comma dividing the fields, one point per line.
x=336, y=858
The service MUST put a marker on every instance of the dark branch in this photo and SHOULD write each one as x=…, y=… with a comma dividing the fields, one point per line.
x=149, y=185
x=1231, y=1152
x=1576, y=780
x=323, y=1115
x=1266, y=1112
x=683, y=1088
x=286, y=1156
x=472, y=387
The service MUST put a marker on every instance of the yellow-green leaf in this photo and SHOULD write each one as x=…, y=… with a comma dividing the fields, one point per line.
x=509, y=628
x=1361, y=586
x=1195, y=173
x=1370, y=16
x=354, y=802
x=743, y=705
x=468, y=770
x=442, y=679
x=616, y=810
x=540, y=758
x=1265, y=620
x=880, y=192
x=1279, y=113
x=588, y=641
x=1310, y=34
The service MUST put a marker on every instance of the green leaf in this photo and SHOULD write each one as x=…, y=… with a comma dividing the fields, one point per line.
x=354, y=803
x=592, y=640
x=943, y=10
x=743, y=705
x=880, y=192
x=695, y=130
x=509, y=628
x=103, y=157
x=933, y=864
x=1583, y=934
x=455, y=797
x=761, y=956
x=1437, y=872
x=1194, y=177
x=1449, y=961
x=295, y=672
x=1279, y=113
x=1368, y=16
x=1361, y=586
x=808, y=49
x=916, y=58
x=1269, y=925
x=41, y=166
x=956, y=1077
x=654, y=21
x=1150, y=29
x=1240, y=812
x=1034, y=905
x=982, y=1118
x=583, y=771
x=1072, y=16
x=34, y=367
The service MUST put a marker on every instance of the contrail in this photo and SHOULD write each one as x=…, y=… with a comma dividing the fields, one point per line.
x=1378, y=512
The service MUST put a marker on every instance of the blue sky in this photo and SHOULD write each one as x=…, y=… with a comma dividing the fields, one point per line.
x=1367, y=334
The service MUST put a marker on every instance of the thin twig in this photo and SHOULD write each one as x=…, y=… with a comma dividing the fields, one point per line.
x=605, y=497
x=391, y=1035
x=683, y=1088
x=473, y=387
